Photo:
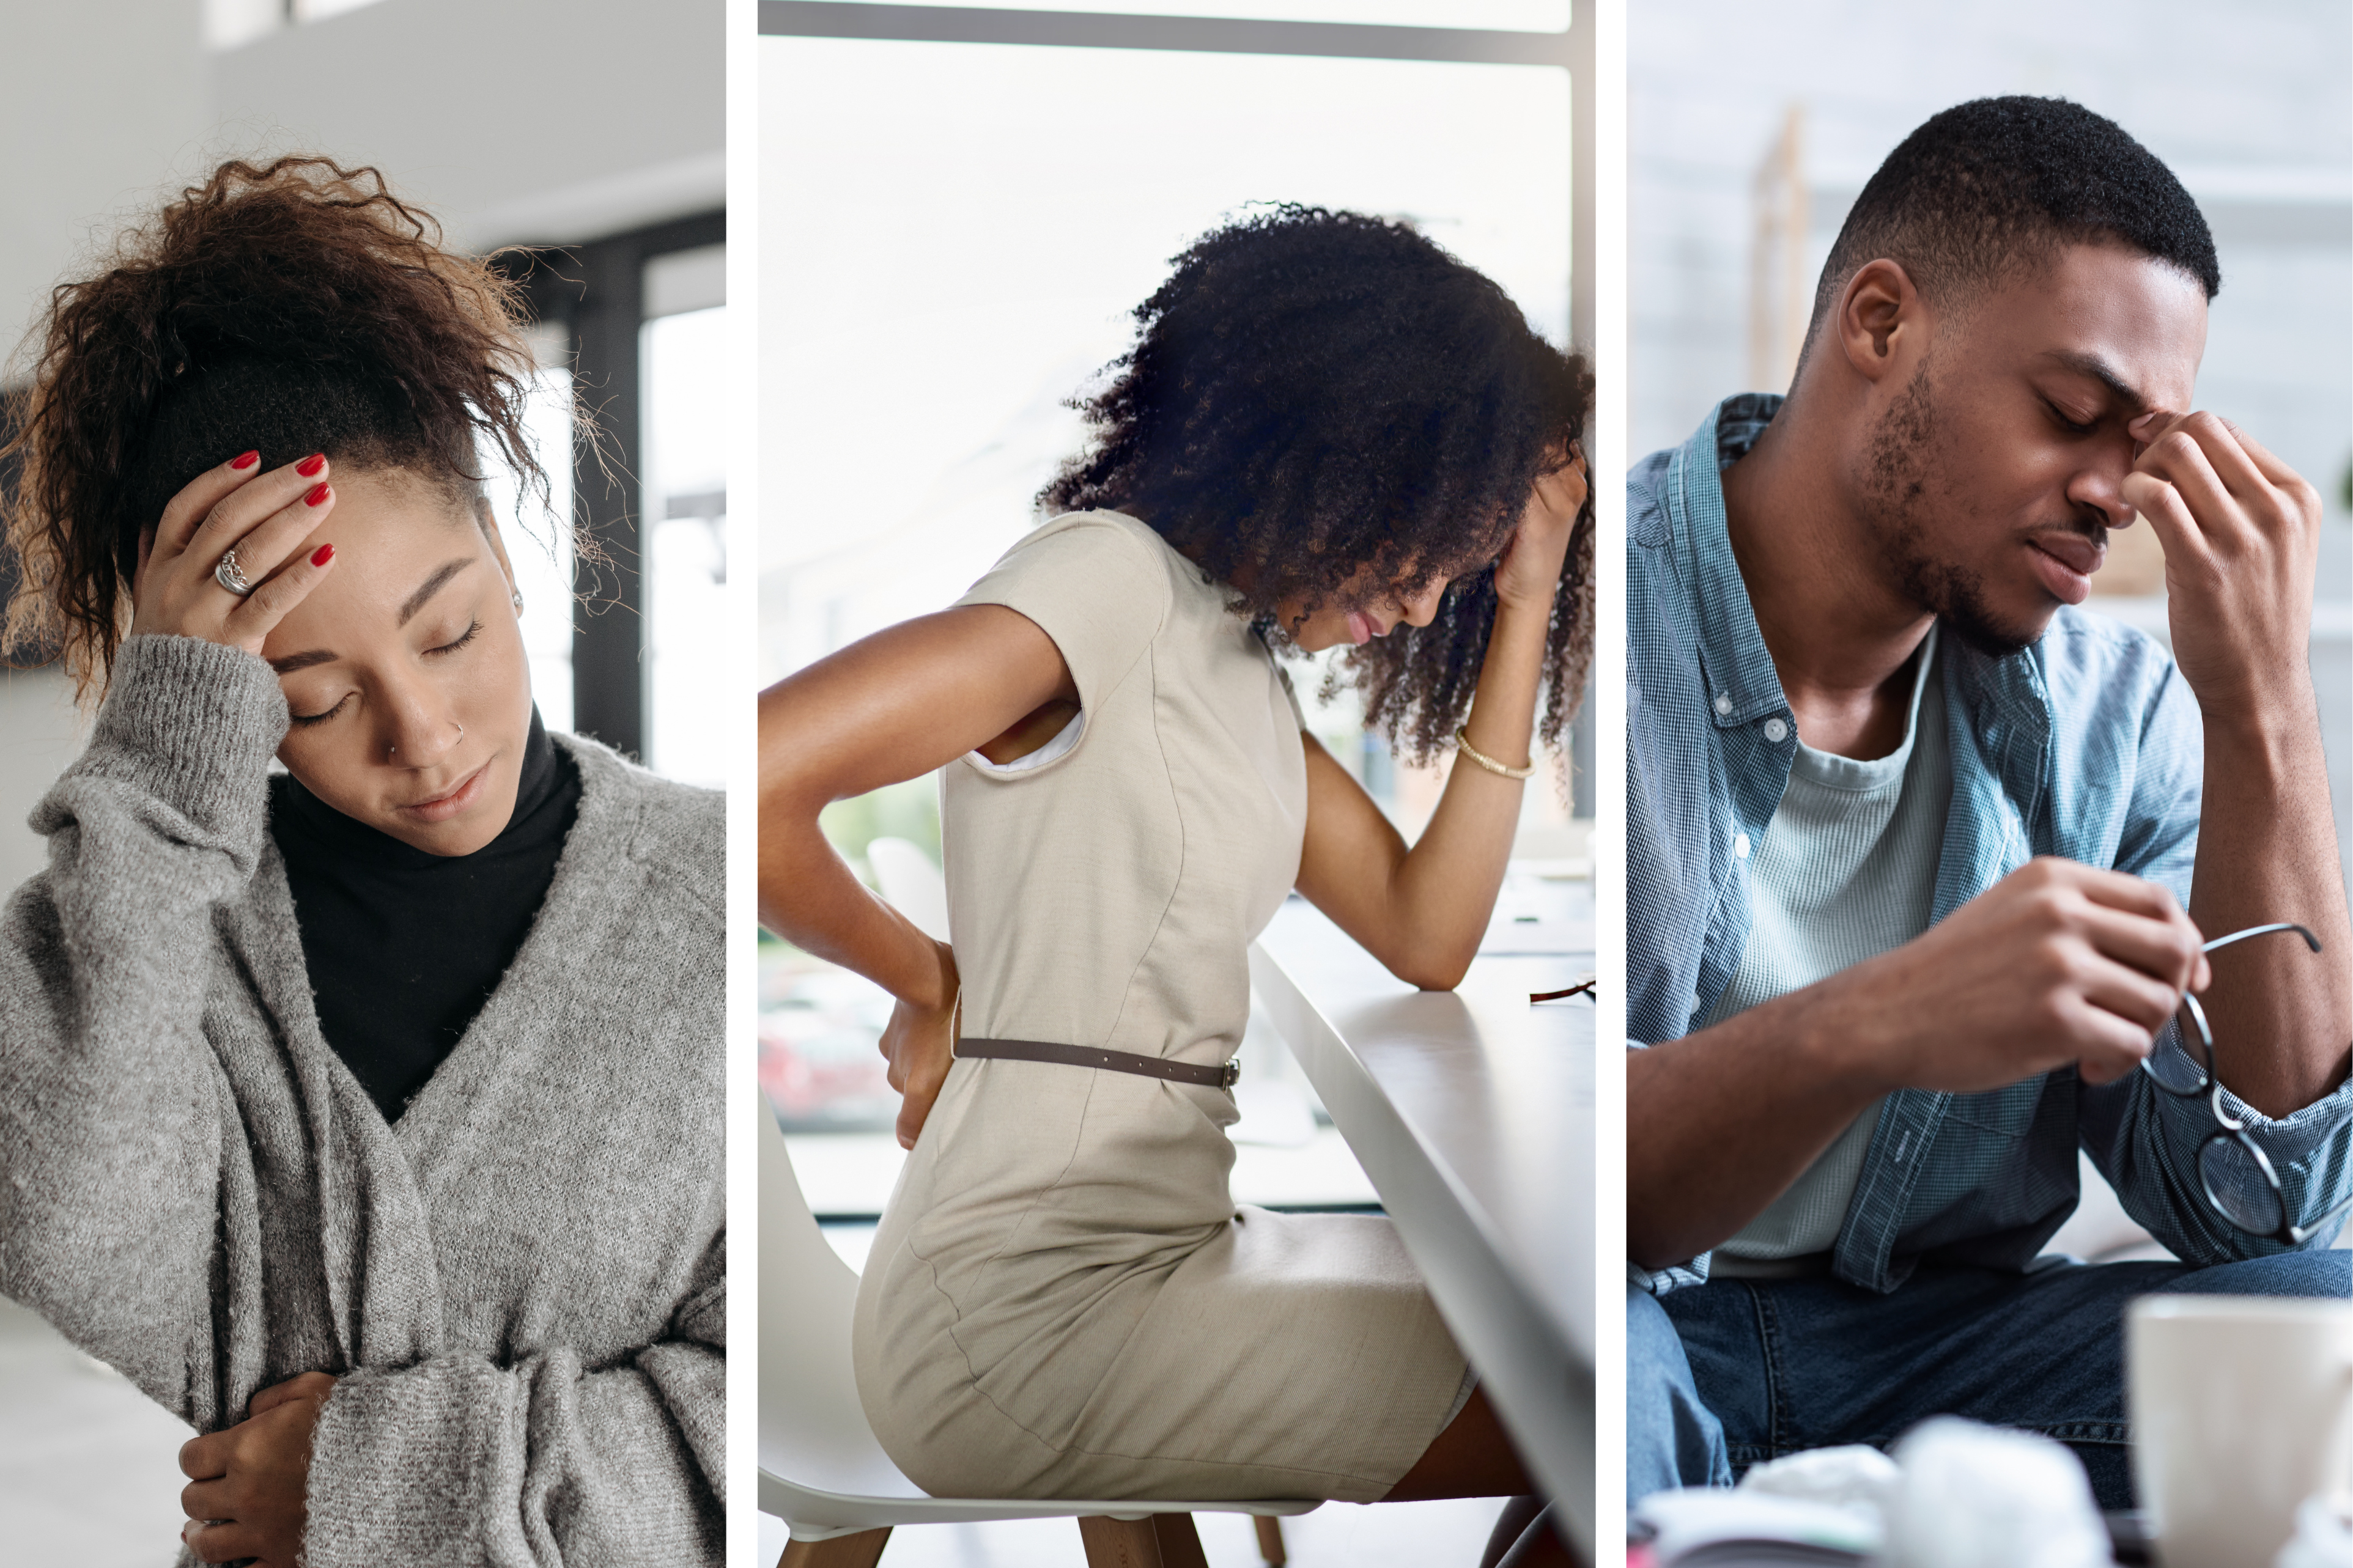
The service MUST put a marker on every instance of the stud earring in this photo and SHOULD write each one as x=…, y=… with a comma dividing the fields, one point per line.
x=517, y=602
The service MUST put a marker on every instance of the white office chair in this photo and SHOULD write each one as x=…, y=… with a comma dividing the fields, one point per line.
x=821, y=1470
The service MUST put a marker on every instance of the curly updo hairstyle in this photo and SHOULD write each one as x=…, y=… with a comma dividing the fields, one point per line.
x=1312, y=393
x=292, y=307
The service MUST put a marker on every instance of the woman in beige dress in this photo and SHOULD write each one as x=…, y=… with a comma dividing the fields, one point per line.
x=1328, y=432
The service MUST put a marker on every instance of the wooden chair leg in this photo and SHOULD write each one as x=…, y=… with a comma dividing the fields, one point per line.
x=1180, y=1543
x=862, y=1550
x=1119, y=1542
x=1158, y=1540
x=1270, y=1540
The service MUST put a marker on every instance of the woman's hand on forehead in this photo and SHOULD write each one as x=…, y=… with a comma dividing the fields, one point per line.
x=264, y=519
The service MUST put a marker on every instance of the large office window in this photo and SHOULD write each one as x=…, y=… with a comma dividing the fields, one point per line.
x=1427, y=15
x=537, y=530
x=632, y=326
x=684, y=514
x=960, y=208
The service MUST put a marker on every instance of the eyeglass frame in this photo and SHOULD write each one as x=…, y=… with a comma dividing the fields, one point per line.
x=2230, y=1129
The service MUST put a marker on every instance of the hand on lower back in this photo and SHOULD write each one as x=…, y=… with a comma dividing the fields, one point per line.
x=2057, y=963
x=919, y=1044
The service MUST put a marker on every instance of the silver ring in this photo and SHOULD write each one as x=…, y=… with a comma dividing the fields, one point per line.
x=231, y=575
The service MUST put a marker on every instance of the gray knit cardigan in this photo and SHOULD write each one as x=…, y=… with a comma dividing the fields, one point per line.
x=521, y=1283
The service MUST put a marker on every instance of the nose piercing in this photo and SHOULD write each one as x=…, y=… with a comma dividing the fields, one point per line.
x=392, y=748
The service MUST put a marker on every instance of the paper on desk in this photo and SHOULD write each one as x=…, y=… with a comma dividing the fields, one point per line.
x=1700, y=1525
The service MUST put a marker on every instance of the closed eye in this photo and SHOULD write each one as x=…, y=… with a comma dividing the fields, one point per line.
x=473, y=630
x=460, y=642
x=307, y=718
x=2071, y=426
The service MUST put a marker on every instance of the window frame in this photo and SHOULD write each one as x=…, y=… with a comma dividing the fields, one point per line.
x=595, y=292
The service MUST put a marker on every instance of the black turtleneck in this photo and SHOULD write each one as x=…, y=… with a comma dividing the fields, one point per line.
x=403, y=947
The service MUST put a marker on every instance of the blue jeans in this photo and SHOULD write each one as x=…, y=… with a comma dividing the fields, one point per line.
x=1728, y=1375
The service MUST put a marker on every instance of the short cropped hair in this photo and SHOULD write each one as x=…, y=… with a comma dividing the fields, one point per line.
x=1997, y=184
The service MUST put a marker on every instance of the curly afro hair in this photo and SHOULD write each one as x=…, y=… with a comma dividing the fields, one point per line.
x=1315, y=393
x=292, y=307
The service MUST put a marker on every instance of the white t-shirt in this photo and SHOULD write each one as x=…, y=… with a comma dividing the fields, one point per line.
x=1846, y=872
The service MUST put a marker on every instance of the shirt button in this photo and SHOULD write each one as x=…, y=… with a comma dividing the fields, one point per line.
x=1723, y=704
x=1740, y=846
x=1776, y=731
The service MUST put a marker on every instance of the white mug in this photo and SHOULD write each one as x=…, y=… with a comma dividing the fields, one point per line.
x=2242, y=1408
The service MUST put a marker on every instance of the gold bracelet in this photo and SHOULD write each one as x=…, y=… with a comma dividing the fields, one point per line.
x=1463, y=743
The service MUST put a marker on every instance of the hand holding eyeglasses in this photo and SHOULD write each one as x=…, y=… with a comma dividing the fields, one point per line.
x=2057, y=964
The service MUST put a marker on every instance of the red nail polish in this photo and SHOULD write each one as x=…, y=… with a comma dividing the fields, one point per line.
x=311, y=465
x=320, y=556
x=247, y=461
x=318, y=494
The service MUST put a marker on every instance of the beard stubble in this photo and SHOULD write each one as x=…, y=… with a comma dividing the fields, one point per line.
x=1899, y=478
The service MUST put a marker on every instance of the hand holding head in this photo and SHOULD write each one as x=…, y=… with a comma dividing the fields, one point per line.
x=2018, y=282
x=300, y=316
x=1339, y=421
x=2241, y=537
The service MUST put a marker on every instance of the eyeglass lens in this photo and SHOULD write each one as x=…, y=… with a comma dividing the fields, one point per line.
x=2184, y=1064
x=2239, y=1186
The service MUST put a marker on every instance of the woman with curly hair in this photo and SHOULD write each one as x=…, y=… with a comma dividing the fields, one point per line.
x=1328, y=432
x=366, y=1115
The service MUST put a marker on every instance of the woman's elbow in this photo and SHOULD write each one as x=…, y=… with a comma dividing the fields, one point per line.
x=1430, y=970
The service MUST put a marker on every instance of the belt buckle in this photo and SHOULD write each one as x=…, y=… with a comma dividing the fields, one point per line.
x=1230, y=1073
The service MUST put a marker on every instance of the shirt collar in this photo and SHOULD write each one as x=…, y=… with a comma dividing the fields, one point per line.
x=1742, y=685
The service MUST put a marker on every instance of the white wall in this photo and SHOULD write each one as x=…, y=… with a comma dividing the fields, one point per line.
x=513, y=119
x=519, y=120
x=97, y=102
x=40, y=733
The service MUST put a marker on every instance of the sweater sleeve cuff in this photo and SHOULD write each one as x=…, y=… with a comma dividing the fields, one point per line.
x=403, y=1464
x=194, y=724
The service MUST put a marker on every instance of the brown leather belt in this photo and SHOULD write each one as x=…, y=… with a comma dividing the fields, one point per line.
x=1219, y=1077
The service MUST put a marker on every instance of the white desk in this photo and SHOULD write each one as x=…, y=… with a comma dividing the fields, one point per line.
x=1471, y=1111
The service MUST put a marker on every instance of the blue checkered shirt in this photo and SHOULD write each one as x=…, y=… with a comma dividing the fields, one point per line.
x=2086, y=745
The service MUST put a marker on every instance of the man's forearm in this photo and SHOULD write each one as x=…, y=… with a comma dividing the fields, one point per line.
x=2267, y=851
x=2057, y=964
x=1721, y=1123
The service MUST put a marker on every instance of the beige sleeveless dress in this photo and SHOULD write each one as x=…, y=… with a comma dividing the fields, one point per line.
x=1062, y=1300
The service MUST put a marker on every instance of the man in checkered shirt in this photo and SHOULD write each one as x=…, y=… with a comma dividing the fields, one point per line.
x=1921, y=858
